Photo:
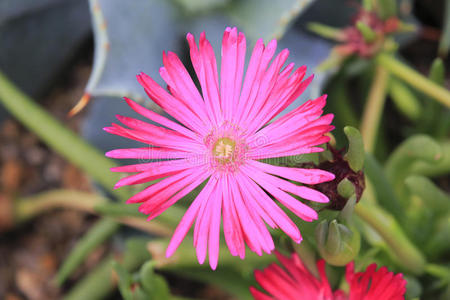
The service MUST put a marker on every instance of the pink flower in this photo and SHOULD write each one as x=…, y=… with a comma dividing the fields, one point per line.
x=224, y=131
x=296, y=282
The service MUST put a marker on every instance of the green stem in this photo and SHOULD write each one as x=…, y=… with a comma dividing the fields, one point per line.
x=415, y=79
x=374, y=108
x=59, y=138
x=29, y=207
x=387, y=227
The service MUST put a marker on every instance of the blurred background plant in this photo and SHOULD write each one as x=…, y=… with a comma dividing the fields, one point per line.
x=66, y=234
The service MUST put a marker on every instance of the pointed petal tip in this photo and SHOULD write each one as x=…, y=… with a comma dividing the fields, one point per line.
x=169, y=252
x=110, y=154
x=213, y=264
x=130, y=201
x=201, y=259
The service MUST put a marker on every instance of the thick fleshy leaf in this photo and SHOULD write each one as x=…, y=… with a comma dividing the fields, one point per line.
x=129, y=38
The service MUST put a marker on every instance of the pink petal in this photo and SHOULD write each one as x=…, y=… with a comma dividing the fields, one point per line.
x=166, y=183
x=172, y=105
x=250, y=79
x=308, y=176
x=278, y=215
x=158, y=138
x=267, y=242
x=154, y=167
x=202, y=226
x=259, y=295
x=161, y=206
x=188, y=218
x=165, y=197
x=269, y=153
x=204, y=62
x=232, y=69
x=214, y=230
x=251, y=87
x=284, y=93
x=161, y=120
x=147, y=153
x=231, y=226
x=301, y=210
x=267, y=83
x=176, y=75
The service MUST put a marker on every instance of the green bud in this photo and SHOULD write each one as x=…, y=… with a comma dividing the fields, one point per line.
x=355, y=154
x=337, y=244
x=326, y=31
x=367, y=32
x=346, y=188
x=348, y=209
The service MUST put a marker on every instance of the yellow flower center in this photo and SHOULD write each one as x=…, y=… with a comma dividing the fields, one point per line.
x=224, y=148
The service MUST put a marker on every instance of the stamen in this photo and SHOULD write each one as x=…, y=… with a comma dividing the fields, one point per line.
x=224, y=148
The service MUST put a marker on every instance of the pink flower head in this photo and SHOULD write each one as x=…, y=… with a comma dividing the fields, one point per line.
x=224, y=131
x=295, y=282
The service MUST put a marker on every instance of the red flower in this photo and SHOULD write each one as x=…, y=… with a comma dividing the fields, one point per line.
x=294, y=281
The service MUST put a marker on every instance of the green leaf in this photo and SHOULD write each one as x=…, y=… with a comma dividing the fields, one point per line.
x=129, y=37
x=98, y=284
x=59, y=138
x=154, y=285
x=406, y=253
x=432, y=196
x=431, y=168
x=439, y=241
x=414, y=149
x=433, y=119
x=232, y=274
x=96, y=236
x=437, y=71
x=201, y=6
x=444, y=43
x=386, y=8
x=266, y=18
x=405, y=100
x=125, y=281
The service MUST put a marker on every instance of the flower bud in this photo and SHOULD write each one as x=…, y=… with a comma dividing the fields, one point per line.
x=336, y=243
x=345, y=188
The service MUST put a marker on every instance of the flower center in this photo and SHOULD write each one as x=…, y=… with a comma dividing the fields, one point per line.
x=224, y=149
